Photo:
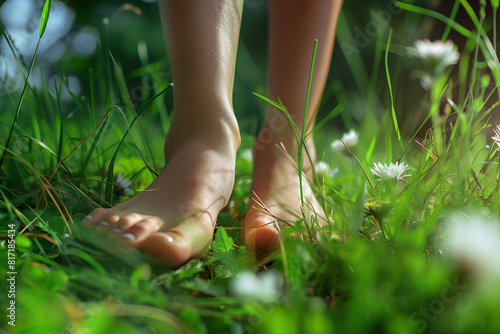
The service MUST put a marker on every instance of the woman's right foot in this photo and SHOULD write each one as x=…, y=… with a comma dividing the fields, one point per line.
x=172, y=221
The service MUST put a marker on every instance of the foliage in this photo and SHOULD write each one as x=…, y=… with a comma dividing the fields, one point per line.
x=385, y=261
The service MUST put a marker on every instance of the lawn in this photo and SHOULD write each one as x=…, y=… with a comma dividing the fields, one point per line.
x=408, y=174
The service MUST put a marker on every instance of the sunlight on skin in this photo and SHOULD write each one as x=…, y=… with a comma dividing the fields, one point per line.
x=172, y=221
x=275, y=199
x=275, y=179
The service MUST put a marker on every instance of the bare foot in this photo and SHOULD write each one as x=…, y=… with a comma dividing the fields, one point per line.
x=275, y=198
x=172, y=221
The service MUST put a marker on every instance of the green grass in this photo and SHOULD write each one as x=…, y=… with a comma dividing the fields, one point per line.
x=385, y=262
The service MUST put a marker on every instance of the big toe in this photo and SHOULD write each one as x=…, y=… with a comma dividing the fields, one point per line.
x=166, y=251
x=263, y=241
x=177, y=246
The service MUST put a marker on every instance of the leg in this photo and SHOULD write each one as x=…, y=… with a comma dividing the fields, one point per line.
x=294, y=25
x=172, y=221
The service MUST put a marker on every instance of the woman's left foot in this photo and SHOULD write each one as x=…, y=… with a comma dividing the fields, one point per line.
x=275, y=201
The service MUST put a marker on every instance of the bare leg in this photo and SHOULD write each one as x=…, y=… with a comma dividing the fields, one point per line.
x=172, y=221
x=294, y=26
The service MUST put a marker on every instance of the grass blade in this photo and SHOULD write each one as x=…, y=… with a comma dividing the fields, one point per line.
x=304, y=120
x=45, y=17
x=109, y=185
x=20, y=103
x=43, y=25
x=415, y=9
x=334, y=113
x=45, y=147
x=393, y=111
x=93, y=146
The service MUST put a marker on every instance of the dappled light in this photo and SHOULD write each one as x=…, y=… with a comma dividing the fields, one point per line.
x=21, y=21
x=205, y=166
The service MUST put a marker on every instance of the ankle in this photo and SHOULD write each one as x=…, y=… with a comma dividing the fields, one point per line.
x=271, y=137
x=270, y=146
x=211, y=123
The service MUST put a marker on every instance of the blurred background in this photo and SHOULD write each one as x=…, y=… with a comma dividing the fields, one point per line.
x=80, y=33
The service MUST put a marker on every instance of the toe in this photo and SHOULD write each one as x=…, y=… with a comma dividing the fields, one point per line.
x=261, y=238
x=174, y=247
x=107, y=224
x=102, y=227
x=139, y=232
x=166, y=251
x=94, y=218
x=119, y=224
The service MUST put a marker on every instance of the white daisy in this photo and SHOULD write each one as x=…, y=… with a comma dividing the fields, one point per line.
x=125, y=183
x=476, y=241
x=350, y=140
x=496, y=137
x=391, y=172
x=322, y=168
x=263, y=287
x=435, y=56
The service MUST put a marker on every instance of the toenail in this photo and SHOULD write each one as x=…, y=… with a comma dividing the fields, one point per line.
x=104, y=224
x=116, y=230
x=128, y=236
x=166, y=236
x=89, y=217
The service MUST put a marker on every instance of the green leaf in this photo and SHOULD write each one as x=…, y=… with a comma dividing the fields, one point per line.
x=222, y=243
x=87, y=258
x=334, y=113
x=23, y=241
x=227, y=256
x=189, y=270
x=202, y=285
x=228, y=264
x=271, y=102
x=415, y=9
x=141, y=273
x=45, y=17
x=393, y=111
x=55, y=280
x=42, y=144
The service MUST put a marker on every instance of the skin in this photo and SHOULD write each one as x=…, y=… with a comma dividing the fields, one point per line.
x=172, y=220
x=293, y=27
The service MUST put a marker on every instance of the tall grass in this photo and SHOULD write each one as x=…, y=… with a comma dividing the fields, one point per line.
x=385, y=261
